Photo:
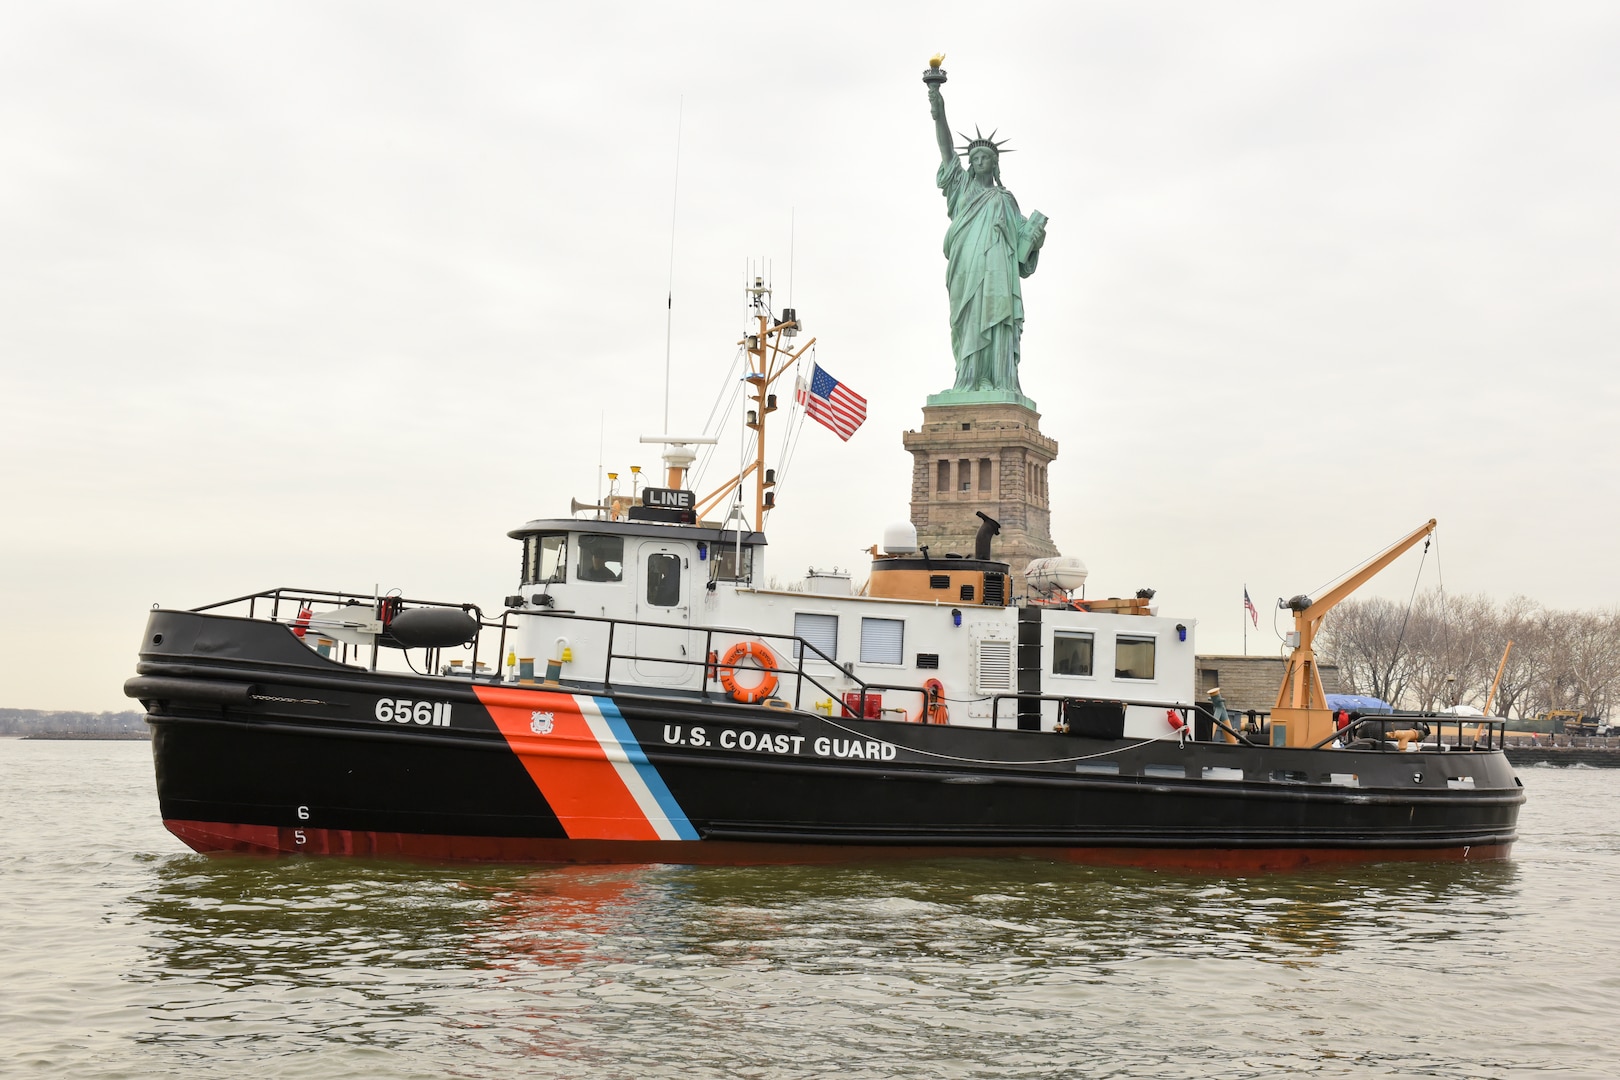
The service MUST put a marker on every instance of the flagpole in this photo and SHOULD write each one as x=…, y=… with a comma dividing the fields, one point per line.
x=1245, y=621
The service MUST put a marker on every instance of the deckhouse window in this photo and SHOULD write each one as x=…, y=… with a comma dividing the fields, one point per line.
x=663, y=579
x=1071, y=654
x=883, y=641
x=729, y=565
x=821, y=631
x=1133, y=657
x=601, y=558
x=545, y=559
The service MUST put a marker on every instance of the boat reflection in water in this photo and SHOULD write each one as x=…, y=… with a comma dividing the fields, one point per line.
x=248, y=921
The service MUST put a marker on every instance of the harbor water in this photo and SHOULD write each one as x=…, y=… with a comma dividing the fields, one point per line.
x=125, y=955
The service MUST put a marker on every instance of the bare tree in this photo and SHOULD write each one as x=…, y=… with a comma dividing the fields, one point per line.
x=1442, y=651
x=1519, y=622
x=1366, y=639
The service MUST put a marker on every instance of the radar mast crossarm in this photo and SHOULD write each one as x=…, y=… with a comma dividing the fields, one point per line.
x=713, y=498
x=768, y=361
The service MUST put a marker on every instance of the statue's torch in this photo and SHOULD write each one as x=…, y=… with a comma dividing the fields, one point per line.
x=935, y=75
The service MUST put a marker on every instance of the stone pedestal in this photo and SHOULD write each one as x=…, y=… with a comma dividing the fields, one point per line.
x=985, y=455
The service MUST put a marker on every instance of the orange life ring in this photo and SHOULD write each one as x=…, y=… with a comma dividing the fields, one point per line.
x=761, y=654
x=933, y=710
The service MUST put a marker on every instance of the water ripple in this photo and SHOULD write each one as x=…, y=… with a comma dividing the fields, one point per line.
x=130, y=957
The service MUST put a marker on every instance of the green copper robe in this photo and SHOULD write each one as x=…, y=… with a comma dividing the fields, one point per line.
x=989, y=247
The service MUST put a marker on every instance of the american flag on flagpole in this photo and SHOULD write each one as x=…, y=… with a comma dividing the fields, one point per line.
x=833, y=404
x=1249, y=604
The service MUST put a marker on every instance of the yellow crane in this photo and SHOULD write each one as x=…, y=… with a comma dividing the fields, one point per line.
x=1301, y=716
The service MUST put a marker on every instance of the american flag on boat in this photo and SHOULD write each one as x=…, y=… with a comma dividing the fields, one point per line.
x=831, y=403
x=1249, y=605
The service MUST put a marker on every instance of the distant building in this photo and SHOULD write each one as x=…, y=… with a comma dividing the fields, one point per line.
x=1251, y=682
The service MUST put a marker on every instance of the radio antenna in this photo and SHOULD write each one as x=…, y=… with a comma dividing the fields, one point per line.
x=669, y=301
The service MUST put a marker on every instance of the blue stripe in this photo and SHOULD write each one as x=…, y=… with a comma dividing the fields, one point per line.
x=644, y=768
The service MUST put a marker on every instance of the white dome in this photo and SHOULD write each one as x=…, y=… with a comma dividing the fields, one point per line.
x=1063, y=572
x=900, y=538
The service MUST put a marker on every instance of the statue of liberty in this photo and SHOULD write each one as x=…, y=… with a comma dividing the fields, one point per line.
x=989, y=248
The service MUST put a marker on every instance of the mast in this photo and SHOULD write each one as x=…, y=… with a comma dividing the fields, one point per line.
x=1498, y=680
x=769, y=353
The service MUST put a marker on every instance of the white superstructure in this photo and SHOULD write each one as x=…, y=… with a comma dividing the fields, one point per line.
x=670, y=600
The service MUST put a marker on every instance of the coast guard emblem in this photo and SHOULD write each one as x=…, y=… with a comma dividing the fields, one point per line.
x=541, y=722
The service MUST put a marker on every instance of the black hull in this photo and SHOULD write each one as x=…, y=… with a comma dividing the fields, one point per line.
x=262, y=746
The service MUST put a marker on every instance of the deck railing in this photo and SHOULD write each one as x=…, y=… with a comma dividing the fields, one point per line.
x=793, y=652
x=284, y=603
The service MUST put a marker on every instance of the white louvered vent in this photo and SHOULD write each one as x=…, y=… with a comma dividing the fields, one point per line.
x=995, y=674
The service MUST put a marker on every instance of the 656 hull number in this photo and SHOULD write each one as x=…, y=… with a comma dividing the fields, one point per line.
x=406, y=711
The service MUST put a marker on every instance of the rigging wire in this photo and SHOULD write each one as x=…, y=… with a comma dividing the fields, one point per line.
x=1445, y=607
x=725, y=401
x=795, y=428
x=791, y=431
x=669, y=300
x=1034, y=761
x=1416, y=580
x=1375, y=555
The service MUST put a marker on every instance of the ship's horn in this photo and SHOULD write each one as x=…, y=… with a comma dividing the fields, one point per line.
x=575, y=506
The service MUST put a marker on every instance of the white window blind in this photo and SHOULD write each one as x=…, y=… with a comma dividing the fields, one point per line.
x=882, y=641
x=819, y=630
x=1133, y=657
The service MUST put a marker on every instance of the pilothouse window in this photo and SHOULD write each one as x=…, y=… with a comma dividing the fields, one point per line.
x=545, y=559
x=1133, y=657
x=601, y=558
x=1071, y=654
x=727, y=564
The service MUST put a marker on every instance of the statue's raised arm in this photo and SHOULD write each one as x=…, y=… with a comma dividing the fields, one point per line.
x=942, y=130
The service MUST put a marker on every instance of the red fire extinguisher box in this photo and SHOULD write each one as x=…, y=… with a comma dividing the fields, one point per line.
x=874, y=705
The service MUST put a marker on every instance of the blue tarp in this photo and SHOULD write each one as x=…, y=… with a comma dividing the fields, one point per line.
x=1357, y=703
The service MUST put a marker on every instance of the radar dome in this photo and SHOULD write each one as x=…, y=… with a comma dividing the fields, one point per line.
x=900, y=538
x=1048, y=576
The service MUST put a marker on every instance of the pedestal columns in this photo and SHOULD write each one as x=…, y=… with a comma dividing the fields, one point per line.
x=988, y=456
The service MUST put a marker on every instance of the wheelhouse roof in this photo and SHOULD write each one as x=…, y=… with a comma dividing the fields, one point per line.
x=658, y=529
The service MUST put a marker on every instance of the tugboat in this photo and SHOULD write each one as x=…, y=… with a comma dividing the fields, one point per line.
x=645, y=696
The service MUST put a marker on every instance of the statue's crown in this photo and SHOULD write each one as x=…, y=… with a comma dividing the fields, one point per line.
x=980, y=139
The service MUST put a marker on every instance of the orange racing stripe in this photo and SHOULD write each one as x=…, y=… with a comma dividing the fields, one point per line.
x=567, y=763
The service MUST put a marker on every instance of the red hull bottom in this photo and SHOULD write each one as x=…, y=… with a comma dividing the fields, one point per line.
x=211, y=837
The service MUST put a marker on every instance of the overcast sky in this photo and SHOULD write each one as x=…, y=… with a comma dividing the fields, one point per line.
x=334, y=295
